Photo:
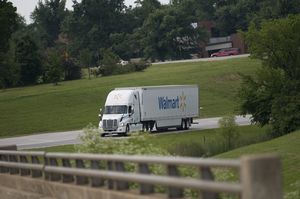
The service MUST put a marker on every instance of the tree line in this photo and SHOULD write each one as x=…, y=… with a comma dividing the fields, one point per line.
x=59, y=42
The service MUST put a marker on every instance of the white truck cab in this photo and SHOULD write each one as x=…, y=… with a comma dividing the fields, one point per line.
x=121, y=110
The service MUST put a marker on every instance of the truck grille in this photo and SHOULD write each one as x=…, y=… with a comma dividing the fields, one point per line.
x=110, y=125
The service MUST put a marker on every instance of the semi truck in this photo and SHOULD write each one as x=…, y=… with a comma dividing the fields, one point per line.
x=149, y=108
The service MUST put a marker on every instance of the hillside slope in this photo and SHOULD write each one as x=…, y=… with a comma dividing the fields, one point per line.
x=288, y=147
x=74, y=104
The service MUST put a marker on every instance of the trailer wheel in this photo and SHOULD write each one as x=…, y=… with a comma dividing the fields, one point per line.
x=188, y=123
x=185, y=127
x=181, y=125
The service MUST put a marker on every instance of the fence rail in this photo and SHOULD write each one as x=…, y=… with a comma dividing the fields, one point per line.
x=120, y=171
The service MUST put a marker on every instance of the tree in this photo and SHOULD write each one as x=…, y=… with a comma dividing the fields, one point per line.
x=28, y=56
x=228, y=128
x=86, y=59
x=72, y=70
x=272, y=95
x=8, y=24
x=91, y=23
x=53, y=71
x=48, y=18
x=109, y=63
x=233, y=15
x=168, y=34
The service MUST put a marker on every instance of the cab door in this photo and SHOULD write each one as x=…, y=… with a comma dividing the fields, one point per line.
x=136, y=108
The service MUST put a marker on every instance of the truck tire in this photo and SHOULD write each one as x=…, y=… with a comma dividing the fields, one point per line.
x=127, y=130
x=185, y=127
x=181, y=125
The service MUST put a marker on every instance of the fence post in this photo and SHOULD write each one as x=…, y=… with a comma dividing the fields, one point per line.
x=46, y=162
x=121, y=185
x=110, y=167
x=206, y=174
x=96, y=182
x=145, y=188
x=261, y=177
x=54, y=176
x=24, y=172
x=4, y=169
x=13, y=158
x=66, y=177
x=174, y=192
x=80, y=180
x=36, y=173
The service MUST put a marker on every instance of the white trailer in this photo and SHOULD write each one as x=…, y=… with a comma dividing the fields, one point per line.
x=150, y=108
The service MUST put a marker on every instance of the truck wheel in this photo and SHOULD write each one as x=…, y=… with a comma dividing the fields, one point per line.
x=184, y=124
x=181, y=125
x=188, y=121
x=127, y=130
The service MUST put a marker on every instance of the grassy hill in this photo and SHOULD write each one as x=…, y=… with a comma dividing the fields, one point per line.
x=74, y=104
x=288, y=147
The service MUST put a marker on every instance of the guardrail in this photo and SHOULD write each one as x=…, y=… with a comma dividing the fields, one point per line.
x=259, y=175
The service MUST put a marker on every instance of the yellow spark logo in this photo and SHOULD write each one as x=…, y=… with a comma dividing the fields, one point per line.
x=182, y=102
x=117, y=96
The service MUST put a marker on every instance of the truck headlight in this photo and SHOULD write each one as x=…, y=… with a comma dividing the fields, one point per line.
x=122, y=124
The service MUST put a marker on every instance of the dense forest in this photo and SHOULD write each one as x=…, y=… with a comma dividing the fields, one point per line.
x=60, y=42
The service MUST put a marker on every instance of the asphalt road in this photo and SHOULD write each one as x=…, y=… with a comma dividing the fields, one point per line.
x=72, y=137
x=203, y=59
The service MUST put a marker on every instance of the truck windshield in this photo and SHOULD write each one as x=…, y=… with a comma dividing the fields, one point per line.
x=122, y=109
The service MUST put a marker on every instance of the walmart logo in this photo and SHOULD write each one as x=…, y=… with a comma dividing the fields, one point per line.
x=172, y=103
x=182, y=102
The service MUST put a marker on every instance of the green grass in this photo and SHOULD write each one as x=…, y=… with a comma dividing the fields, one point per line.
x=74, y=104
x=288, y=148
x=205, y=138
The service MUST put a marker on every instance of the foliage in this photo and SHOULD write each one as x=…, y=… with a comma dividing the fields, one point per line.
x=85, y=57
x=190, y=148
x=28, y=56
x=210, y=142
x=228, y=128
x=138, y=143
x=9, y=70
x=53, y=71
x=109, y=63
x=140, y=65
x=168, y=34
x=272, y=95
x=8, y=24
x=237, y=15
x=91, y=22
x=72, y=69
x=48, y=18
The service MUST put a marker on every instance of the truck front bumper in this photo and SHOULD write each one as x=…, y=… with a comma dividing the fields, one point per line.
x=114, y=132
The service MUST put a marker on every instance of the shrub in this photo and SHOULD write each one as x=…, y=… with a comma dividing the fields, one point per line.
x=228, y=128
x=137, y=143
x=140, y=66
x=72, y=70
x=192, y=149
